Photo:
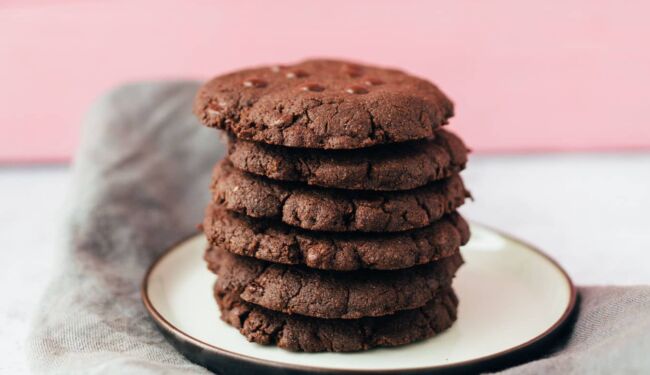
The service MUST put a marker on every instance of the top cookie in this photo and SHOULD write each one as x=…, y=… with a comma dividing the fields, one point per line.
x=324, y=104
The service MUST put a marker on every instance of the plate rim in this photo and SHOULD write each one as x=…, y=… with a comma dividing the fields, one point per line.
x=179, y=334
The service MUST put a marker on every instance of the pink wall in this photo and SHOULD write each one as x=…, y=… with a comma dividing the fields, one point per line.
x=525, y=76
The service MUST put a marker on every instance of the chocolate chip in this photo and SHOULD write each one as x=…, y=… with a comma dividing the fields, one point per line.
x=356, y=90
x=373, y=81
x=213, y=109
x=315, y=87
x=353, y=70
x=297, y=74
x=277, y=68
x=312, y=257
x=255, y=82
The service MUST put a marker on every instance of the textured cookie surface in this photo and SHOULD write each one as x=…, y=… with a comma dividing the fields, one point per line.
x=335, y=210
x=395, y=167
x=330, y=294
x=300, y=333
x=323, y=104
x=279, y=243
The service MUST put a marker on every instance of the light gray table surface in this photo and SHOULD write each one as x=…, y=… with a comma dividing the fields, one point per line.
x=588, y=211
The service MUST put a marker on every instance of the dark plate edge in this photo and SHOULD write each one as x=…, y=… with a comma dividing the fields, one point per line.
x=215, y=358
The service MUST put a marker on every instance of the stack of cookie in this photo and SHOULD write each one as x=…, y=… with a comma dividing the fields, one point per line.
x=333, y=223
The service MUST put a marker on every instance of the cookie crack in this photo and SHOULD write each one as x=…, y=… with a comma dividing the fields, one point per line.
x=291, y=297
x=350, y=217
x=346, y=309
x=369, y=171
x=425, y=207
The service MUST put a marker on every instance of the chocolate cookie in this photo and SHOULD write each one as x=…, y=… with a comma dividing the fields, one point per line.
x=330, y=294
x=300, y=333
x=395, y=167
x=279, y=243
x=323, y=104
x=334, y=210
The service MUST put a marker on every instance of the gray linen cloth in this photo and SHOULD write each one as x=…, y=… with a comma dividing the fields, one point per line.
x=141, y=183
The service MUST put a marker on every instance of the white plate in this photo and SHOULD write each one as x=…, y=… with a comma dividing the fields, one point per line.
x=513, y=299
